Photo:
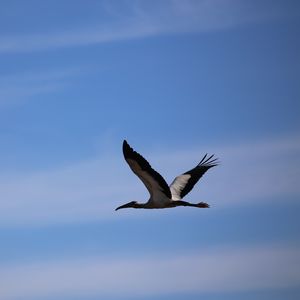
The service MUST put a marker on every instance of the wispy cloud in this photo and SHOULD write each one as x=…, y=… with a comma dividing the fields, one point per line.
x=19, y=87
x=216, y=270
x=257, y=171
x=137, y=19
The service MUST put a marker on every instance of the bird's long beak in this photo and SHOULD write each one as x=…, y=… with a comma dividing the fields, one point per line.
x=125, y=206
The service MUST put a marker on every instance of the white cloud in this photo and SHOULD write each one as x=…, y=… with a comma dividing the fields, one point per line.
x=17, y=88
x=213, y=270
x=259, y=171
x=140, y=20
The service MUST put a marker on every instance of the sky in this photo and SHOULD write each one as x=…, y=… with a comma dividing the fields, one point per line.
x=176, y=79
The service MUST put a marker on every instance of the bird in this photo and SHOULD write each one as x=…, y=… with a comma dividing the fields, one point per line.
x=162, y=195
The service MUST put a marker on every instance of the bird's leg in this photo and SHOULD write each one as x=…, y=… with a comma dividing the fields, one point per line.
x=184, y=203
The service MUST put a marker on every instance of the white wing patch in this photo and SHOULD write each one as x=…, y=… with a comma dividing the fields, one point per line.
x=178, y=185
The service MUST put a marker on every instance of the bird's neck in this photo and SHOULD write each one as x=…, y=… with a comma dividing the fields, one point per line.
x=140, y=205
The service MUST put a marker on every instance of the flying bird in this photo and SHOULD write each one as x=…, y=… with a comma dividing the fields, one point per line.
x=162, y=195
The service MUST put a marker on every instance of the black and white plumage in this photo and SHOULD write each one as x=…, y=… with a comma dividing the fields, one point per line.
x=162, y=195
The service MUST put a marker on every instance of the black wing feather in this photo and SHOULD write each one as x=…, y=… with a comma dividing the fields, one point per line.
x=129, y=153
x=196, y=173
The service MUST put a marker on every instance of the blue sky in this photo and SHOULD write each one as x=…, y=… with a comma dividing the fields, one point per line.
x=177, y=79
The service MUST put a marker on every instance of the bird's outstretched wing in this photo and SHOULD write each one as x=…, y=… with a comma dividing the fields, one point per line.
x=184, y=183
x=153, y=181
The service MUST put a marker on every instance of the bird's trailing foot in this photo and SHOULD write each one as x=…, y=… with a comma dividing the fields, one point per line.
x=202, y=205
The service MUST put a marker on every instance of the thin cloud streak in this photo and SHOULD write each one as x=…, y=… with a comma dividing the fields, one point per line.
x=91, y=190
x=216, y=270
x=140, y=21
x=17, y=88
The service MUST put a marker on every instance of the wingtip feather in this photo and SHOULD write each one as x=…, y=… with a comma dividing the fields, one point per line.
x=208, y=162
x=126, y=149
x=203, y=158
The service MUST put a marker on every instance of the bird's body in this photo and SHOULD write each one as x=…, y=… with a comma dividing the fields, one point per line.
x=162, y=195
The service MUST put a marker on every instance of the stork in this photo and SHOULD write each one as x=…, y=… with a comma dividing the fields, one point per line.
x=162, y=195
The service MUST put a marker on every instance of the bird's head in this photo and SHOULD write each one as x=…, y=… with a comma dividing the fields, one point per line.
x=130, y=204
